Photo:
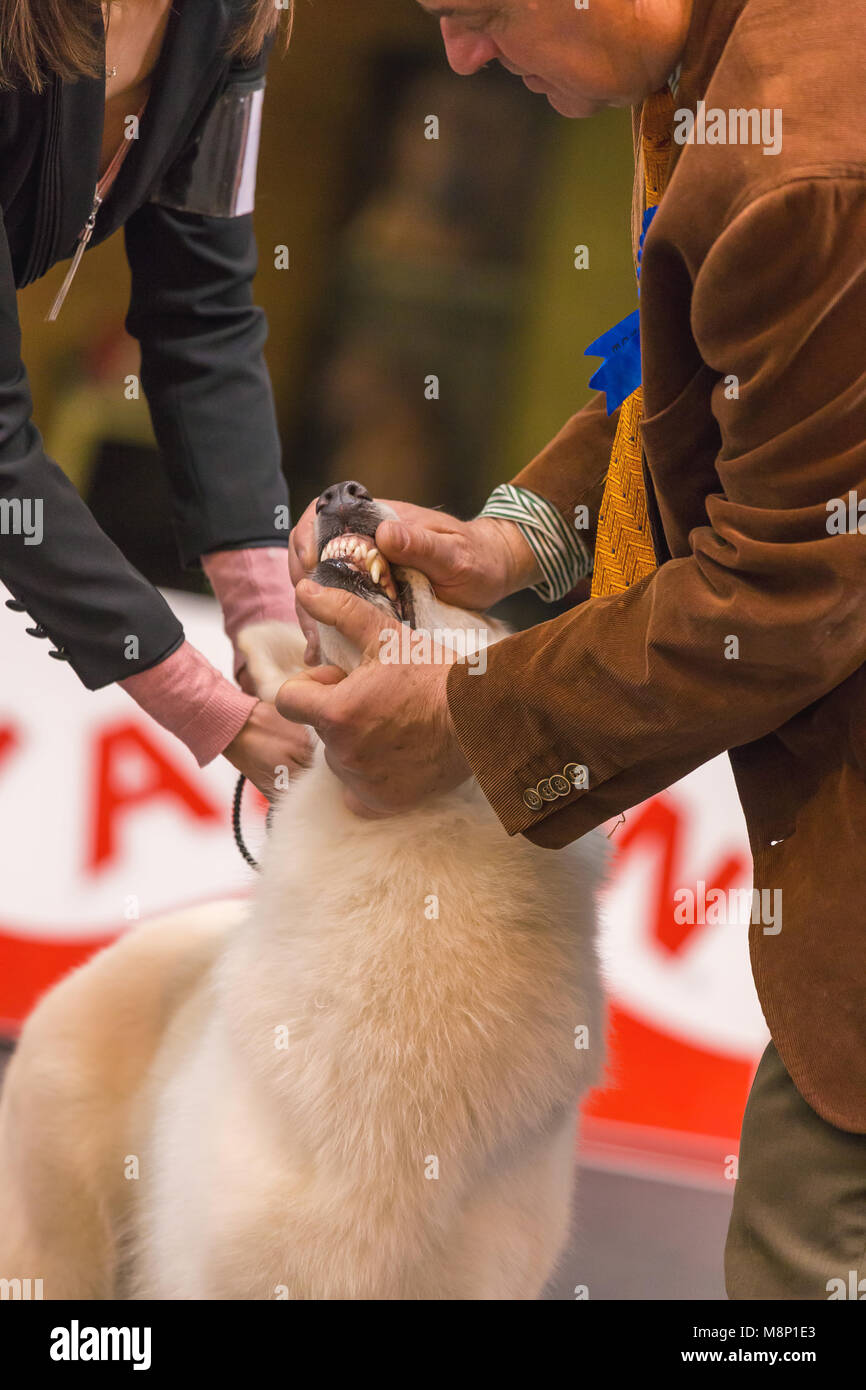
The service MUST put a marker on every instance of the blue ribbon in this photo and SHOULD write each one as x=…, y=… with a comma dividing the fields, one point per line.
x=620, y=373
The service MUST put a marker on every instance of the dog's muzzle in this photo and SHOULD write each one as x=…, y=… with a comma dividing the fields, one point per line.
x=346, y=522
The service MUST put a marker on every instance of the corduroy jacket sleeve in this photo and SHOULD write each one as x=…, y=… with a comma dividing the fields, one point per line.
x=205, y=378
x=642, y=687
x=570, y=471
x=54, y=558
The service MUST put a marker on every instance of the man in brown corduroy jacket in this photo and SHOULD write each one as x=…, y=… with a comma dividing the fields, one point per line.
x=731, y=546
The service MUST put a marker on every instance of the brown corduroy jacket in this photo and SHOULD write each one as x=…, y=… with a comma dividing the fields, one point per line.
x=753, y=332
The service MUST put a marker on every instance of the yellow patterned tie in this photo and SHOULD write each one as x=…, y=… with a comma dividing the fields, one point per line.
x=624, y=551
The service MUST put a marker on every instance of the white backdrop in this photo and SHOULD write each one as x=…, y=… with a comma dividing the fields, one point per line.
x=58, y=876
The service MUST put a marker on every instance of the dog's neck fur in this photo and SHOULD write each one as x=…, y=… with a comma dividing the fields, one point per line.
x=425, y=971
x=427, y=974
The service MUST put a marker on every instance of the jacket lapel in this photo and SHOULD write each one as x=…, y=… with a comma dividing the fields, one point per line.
x=184, y=78
x=186, y=71
x=188, y=66
x=709, y=31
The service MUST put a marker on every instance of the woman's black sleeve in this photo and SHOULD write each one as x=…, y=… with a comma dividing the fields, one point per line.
x=205, y=378
x=55, y=560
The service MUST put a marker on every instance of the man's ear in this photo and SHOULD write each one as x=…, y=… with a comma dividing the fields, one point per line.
x=274, y=651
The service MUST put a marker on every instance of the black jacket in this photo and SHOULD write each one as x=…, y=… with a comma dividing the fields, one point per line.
x=201, y=340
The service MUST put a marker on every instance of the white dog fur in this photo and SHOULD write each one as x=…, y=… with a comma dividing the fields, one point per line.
x=360, y=1084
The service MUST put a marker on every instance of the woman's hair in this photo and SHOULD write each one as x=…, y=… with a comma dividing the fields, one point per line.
x=41, y=37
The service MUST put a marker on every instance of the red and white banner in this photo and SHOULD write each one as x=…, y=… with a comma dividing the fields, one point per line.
x=106, y=819
x=686, y=1028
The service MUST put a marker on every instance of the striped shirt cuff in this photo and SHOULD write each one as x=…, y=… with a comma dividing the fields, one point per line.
x=561, y=554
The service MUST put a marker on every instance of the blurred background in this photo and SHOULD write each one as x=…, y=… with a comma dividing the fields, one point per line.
x=409, y=258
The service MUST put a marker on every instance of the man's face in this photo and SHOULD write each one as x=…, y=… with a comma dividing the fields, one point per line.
x=612, y=53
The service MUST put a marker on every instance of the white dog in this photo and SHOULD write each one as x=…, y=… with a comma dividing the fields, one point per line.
x=361, y=1084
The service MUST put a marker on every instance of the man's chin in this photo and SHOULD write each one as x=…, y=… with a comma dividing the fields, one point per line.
x=574, y=108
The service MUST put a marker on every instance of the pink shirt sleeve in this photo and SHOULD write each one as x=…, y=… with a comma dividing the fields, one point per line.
x=193, y=700
x=185, y=693
x=251, y=585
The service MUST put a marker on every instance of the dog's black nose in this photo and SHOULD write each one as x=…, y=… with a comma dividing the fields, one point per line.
x=341, y=497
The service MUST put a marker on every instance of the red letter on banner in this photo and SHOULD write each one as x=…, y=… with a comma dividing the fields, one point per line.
x=113, y=798
x=661, y=826
x=8, y=740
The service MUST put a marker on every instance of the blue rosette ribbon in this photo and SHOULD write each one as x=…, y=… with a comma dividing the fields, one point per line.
x=620, y=373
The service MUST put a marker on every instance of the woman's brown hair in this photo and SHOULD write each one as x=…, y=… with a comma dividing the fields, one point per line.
x=41, y=37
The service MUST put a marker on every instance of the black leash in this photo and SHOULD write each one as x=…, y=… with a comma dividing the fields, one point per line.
x=236, y=823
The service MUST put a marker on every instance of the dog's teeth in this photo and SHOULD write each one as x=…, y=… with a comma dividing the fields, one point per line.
x=360, y=552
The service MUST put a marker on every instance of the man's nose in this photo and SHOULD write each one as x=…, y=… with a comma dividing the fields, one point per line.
x=466, y=51
x=341, y=498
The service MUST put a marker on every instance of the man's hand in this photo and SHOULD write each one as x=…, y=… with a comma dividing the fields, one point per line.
x=472, y=564
x=265, y=743
x=387, y=732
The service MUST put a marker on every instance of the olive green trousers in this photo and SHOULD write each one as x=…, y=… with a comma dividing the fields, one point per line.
x=798, y=1227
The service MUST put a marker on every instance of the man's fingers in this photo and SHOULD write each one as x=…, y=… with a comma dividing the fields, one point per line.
x=305, y=698
x=441, y=556
x=406, y=544
x=302, y=559
x=307, y=624
x=394, y=539
x=358, y=805
x=360, y=808
x=322, y=675
x=302, y=545
x=359, y=621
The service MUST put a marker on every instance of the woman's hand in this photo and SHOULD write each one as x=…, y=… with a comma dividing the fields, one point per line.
x=267, y=743
x=246, y=682
x=472, y=564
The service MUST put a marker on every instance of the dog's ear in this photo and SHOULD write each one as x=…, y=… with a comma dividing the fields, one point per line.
x=274, y=651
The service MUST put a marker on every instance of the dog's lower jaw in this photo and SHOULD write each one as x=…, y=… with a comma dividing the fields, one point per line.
x=337, y=650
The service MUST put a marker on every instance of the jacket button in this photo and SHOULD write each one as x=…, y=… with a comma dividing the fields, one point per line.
x=58, y=655
x=532, y=799
x=545, y=790
x=15, y=606
x=560, y=784
x=37, y=631
x=576, y=775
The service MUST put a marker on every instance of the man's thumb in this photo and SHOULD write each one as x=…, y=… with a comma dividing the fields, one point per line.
x=393, y=539
x=416, y=546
